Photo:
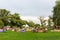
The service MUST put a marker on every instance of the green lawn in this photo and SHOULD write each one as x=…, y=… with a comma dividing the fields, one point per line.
x=9, y=35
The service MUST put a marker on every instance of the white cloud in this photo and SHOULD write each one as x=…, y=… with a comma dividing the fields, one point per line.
x=32, y=18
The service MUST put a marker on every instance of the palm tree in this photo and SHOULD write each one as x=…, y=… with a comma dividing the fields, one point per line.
x=42, y=21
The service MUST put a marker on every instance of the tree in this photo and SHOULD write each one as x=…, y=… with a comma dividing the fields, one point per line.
x=56, y=14
x=4, y=16
x=37, y=25
x=20, y=23
x=50, y=21
x=8, y=19
x=1, y=24
x=31, y=24
x=15, y=20
x=42, y=21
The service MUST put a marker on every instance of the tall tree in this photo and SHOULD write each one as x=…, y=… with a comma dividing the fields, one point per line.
x=4, y=16
x=10, y=19
x=56, y=13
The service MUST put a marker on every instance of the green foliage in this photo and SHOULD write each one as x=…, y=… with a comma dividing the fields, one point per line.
x=11, y=19
x=1, y=24
x=4, y=16
x=31, y=24
x=56, y=14
x=42, y=21
x=37, y=25
x=15, y=20
x=50, y=21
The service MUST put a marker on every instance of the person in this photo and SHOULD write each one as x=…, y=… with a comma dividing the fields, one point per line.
x=23, y=30
x=35, y=29
x=1, y=30
x=43, y=30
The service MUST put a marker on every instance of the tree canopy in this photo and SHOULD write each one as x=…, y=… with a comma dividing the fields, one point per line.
x=8, y=19
x=56, y=13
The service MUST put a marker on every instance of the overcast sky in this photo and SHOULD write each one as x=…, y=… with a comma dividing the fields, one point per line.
x=29, y=7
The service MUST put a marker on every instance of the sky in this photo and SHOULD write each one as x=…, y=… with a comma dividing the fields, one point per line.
x=29, y=7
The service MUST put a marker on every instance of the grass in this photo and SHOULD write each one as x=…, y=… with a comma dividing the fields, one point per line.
x=9, y=35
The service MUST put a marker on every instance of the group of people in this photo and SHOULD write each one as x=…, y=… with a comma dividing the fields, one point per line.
x=37, y=29
x=32, y=29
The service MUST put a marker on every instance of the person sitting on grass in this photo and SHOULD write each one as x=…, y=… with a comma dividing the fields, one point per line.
x=23, y=30
x=35, y=29
x=44, y=29
x=1, y=30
